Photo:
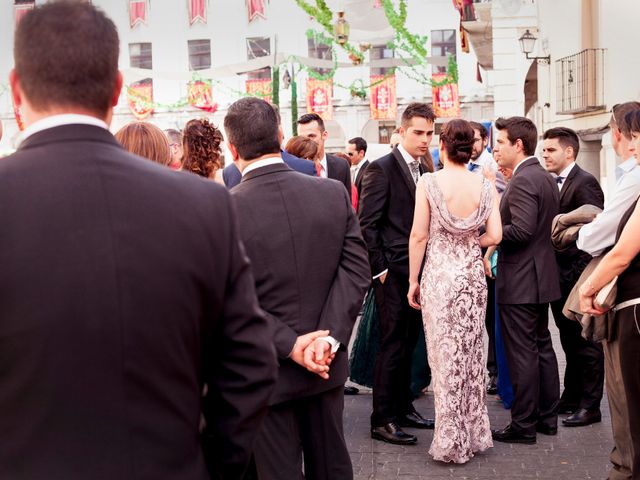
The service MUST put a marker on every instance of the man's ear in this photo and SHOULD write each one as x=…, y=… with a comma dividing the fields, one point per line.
x=519, y=145
x=117, y=90
x=325, y=135
x=16, y=92
x=234, y=151
x=280, y=135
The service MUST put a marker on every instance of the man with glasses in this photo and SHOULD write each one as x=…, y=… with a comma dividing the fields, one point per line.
x=356, y=151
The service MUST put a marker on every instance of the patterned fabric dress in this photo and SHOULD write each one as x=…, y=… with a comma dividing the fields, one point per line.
x=453, y=293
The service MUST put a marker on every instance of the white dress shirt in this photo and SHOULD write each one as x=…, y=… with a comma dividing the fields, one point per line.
x=59, y=120
x=486, y=160
x=323, y=165
x=262, y=163
x=355, y=169
x=600, y=234
x=564, y=174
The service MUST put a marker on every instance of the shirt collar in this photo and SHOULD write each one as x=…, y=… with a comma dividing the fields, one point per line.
x=565, y=173
x=265, y=162
x=518, y=166
x=628, y=165
x=407, y=157
x=59, y=120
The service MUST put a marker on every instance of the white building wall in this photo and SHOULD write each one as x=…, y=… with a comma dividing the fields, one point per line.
x=227, y=27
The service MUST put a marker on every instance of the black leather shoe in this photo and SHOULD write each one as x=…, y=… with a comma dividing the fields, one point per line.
x=567, y=407
x=509, y=435
x=492, y=387
x=392, y=433
x=348, y=390
x=415, y=420
x=582, y=418
x=546, y=429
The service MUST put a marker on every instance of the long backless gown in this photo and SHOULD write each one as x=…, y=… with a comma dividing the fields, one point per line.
x=453, y=293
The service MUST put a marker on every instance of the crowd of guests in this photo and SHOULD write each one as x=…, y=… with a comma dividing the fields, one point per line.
x=157, y=325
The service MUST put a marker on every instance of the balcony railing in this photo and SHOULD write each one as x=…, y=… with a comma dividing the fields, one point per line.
x=580, y=82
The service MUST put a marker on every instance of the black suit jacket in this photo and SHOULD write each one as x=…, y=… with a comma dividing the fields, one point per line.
x=579, y=188
x=338, y=169
x=123, y=291
x=360, y=176
x=310, y=265
x=386, y=209
x=527, y=270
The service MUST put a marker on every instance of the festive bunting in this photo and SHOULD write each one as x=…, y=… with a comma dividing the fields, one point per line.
x=446, y=102
x=140, y=99
x=260, y=88
x=383, y=101
x=200, y=96
x=197, y=11
x=320, y=97
x=138, y=12
x=21, y=9
x=256, y=8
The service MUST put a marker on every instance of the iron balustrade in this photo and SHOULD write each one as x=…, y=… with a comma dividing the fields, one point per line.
x=580, y=82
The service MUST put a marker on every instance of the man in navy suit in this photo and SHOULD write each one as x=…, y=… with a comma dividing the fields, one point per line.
x=232, y=176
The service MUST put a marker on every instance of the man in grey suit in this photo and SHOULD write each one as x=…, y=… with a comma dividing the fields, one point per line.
x=311, y=271
x=527, y=280
x=109, y=331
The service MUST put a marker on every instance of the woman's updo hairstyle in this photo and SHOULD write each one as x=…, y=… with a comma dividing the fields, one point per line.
x=202, y=151
x=457, y=138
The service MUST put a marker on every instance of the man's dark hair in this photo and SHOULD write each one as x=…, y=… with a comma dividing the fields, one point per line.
x=360, y=143
x=619, y=113
x=481, y=128
x=566, y=138
x=174, y=136
x=311, y=117
x=417, y=109
x=66, y=55
x=520, y=128
x=252, y=127
x=632, y=120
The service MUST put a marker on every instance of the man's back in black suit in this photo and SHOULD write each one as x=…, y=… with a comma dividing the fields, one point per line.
x=117, y=304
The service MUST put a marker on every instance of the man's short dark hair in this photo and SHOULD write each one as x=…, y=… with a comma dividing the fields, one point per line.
x=619, y=113
x=66, y=55
x=520, y=128
x=417, y=109
x=311, y=117
x=481, y=128
x=360, y=143
x=566, y=138
x=174, y=136
x=252, y=127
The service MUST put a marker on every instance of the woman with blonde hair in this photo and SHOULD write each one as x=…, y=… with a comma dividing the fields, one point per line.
x=201, y=142
x=146, y=140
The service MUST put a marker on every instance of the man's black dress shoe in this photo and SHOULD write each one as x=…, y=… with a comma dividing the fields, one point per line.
x=349, y=390
x=582, y=417
x=492, y=387
x=392, y=433
x=509, y=435
x=415, y=420
x=546, y=429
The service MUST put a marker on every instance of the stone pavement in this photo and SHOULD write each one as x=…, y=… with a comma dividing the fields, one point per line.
x=573, y=454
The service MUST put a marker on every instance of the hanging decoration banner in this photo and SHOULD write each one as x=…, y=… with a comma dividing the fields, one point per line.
x=140, y=99
x=382, y=98
x=22, y=9
x=320, y=97
x=260, y=88
x=201, y=96
x=197, y=11
x=256, y=9
x=138, y=12
x=446, y=102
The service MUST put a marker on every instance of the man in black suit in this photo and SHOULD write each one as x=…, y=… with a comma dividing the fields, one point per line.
x=356, y=151
x=527, y=280
x=386, y=215
x=232, y=176
x=311, y=272
x=311, y=125
x=117, y=304
x=584, y=373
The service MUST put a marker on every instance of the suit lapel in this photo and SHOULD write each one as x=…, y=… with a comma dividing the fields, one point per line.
x=406, y=173
x=358, y=178
x=569, y=180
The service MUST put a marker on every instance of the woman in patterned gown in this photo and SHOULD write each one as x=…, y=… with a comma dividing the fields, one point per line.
x=451, y=207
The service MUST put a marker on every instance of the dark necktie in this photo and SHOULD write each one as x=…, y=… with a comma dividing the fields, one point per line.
x=472, y=166
x=415, y=170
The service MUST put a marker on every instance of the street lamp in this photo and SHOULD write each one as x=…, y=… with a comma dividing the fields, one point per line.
x=341, y=29
x=527, y=42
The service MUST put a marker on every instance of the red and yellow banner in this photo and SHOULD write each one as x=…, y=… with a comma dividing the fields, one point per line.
x=138, y=12
x=382, y=99
x=320, y=98
x=197, y=11
x=140, y=99
x=260, y=88
x=201, y=96
x=446, y=102
x=21, y=9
